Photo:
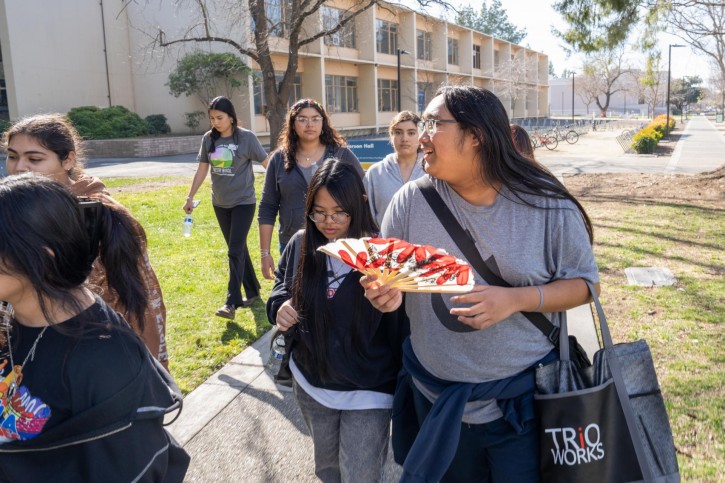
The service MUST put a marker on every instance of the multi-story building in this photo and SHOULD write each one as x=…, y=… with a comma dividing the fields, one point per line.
x=100, y=54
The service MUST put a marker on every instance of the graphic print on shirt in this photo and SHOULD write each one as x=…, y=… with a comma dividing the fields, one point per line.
x=336, y=273
x=22, y=415
x=222, y=159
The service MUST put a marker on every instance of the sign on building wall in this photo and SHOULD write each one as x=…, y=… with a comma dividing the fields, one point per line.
x=369, y=151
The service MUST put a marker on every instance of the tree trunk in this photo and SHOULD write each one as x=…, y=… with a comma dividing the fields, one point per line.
x=276, y=118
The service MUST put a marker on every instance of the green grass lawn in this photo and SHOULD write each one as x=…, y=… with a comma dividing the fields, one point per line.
x=682, y=324
x=193, y=273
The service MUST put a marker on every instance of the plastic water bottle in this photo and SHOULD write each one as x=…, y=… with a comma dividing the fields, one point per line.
x=186, y=227
x=277, y=352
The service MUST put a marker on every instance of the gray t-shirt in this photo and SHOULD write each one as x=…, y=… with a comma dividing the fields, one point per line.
x=526, y=245
x=232, y=177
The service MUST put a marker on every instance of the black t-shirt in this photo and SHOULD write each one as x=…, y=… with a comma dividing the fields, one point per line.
x=68, y=373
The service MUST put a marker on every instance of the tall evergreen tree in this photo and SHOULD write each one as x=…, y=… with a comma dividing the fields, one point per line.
x=491, y=20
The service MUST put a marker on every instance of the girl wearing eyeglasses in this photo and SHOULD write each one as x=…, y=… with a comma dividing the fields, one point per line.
x=344, y=354
x=468, y=370
x=307, y=139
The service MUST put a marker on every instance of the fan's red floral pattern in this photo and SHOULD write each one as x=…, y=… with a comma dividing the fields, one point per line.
x=410, y=267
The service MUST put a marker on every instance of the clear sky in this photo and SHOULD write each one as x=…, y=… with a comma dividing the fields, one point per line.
x=538, y=17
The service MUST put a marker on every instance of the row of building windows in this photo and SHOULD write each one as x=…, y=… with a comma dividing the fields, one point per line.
x=260, y=98
x=386, y=34
x=341, y=92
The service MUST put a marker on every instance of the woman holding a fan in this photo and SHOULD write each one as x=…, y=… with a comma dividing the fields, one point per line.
x=345, y=355
x=468, y=364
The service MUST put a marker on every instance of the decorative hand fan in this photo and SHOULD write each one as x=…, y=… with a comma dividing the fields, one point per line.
x=411, y=268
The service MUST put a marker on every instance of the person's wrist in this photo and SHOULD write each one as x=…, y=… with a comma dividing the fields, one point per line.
x=541, y=298
x=265, y=253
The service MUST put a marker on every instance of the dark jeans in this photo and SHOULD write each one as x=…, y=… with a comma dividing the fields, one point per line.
x=235, y=223
x=489, y=452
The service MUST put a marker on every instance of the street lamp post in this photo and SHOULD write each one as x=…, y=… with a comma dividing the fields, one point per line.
x=400, y=51
x=572, y=96
x=669, y=64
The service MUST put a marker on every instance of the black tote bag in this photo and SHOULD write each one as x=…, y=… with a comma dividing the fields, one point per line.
x=606, y=423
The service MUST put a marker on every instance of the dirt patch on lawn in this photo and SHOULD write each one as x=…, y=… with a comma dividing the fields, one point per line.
x=705, y=188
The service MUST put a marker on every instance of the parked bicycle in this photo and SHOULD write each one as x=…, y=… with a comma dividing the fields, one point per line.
x=544, y=140
x=570, y=136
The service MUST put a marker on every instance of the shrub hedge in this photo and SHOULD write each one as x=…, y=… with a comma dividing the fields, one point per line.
x=107, y=123
x=157, y=124
x=645, y=141
x=659, y=123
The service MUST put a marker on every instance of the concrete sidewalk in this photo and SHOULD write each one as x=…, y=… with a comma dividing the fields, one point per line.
x=701, y=147
x=237, y=426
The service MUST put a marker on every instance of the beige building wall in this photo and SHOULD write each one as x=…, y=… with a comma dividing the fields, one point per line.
x=151, y=66
x=69, y=68
x=44, y=67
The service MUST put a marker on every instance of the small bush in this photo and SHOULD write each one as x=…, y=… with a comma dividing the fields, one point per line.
x=193, y=119
x=157, y=124
x=659, y=123
x=645, y=141
x=107, y=123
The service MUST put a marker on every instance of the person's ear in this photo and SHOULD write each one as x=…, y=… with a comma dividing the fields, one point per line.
x=69, y=161
x=474, y=140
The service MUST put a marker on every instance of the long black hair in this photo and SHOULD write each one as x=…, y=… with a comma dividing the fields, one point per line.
x=481, y=113
x=51, y=238
x=223, y=104
x=309, y=289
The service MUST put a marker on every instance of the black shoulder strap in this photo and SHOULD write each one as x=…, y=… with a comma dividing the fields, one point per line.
x=465, y=243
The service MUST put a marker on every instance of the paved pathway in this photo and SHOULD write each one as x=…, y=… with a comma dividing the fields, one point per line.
x=238, y=427
x=701, y=147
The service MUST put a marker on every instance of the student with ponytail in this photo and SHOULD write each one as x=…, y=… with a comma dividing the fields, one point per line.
x=81, y=398
x=48, y=144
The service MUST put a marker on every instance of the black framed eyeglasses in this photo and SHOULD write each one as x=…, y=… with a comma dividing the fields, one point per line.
x=339, y=217
x=430, y=126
